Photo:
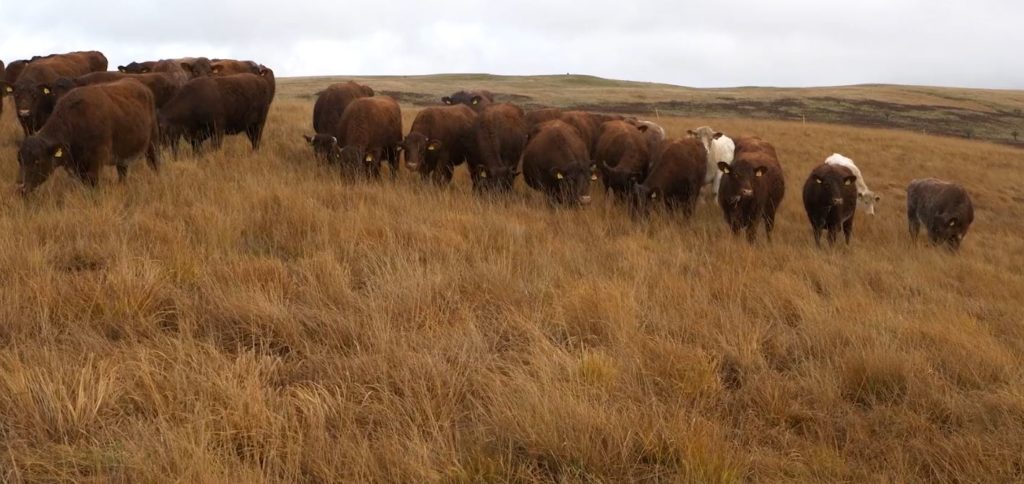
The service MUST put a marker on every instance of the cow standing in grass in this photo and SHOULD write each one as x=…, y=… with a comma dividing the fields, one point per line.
x=720, y=148
x=944, y=208
x=830, y=200
x=752, y=187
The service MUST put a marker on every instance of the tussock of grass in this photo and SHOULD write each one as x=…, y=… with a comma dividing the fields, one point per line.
x=254, y=317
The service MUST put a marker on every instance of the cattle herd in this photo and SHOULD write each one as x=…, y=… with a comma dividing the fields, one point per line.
x=76, y=114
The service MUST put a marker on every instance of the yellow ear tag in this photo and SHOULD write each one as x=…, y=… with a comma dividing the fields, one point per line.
x=654, y=195
x=952, y=223
x=46, y=90
x=59, y=153
x=368, y=158
x=847, y=182
x=728, y=171
x=10, y=89
x=816, y=180
x=559, y=176
x=483, y=174
x=475, y=101
x=593, y=177
x=431, y=148
x=759, y=173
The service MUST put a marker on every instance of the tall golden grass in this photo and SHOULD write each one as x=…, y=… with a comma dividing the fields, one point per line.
x=255, y=317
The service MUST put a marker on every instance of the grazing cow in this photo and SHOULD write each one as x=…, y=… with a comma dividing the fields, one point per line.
x=211, y=107
x=720, y=148
x=865, y=196
x=499, y=137
x=556, y=162
x=33, y=91
x=675, y=180
x=370, y=133
x=331, y=104
x=540, y=116
x=477, y=100
x=230, y=67
x=440, y=140
x=830, y=198
x=92, y=126
x=752, y=187
x=943, y=207
x=623, y=156
x=163, y=86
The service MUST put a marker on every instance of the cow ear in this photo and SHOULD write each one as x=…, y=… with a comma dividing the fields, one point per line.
x=309, y=139
x=216, y=69
x=817, y=179
x=692, y=133
x=45, y=89
x=120, y=68
x=643, y=128
x=760, y=171
x=557, y=174
x=434, y=145
x=724, y=167
x=447, y=100
x=5, y=88
x=368, y=158
x=718, y=135
x=476, y=100
x=59, y=152
x=952, y=222
x=849, y=180
x=483, y=173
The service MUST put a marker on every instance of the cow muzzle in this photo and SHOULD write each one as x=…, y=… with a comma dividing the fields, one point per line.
x=412, y=166
x=24, y=113
x=746, y=193
x=838, y=202
x=585, y=200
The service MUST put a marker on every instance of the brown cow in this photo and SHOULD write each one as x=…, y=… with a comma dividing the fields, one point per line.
x=13, y=71
x=830, y=199
x=93, y=126
x=622, y=155
x=331, y=103
x=3, y=74
x=538, y=117
x=163, y=86
x=184, y=68
x=229, y=67
x=370, y=133
x=211, y=107
x=499, y=137
x=943, y=207
x=557, y=163
x=477, y=100
x=676, y=179
x=752, y=187
x=440, y=140
x=33, y=91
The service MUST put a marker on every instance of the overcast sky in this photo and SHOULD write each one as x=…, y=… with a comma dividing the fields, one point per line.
x=705, y=44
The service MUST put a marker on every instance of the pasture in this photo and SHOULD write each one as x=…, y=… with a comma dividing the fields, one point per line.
x=255, y=317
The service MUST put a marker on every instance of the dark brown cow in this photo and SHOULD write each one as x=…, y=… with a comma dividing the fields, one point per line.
x=440, y=140
x=163, y=86
x=556, y=162
x=538, y=117
x=211, y=107
x=3, y=75
x=230, y=67
x=185, y=68
x=331, y=103
x=943, y=207
x=752, y=187
x=830, y=199
x=477, y=100
x=622, y=155
x=676, y=179
x=33, y=90
x=13, y=71
x=370, y=133
x=93, y=126
x=499, y=134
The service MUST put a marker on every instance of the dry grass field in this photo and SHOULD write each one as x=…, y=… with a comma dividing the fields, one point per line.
x=246, y=317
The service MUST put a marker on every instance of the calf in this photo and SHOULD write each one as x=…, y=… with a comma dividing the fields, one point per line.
x=440, y=140
x=370, y=133
x=212, y=107
x=33, y=90
x=943, y=207
x=752, y=187
x=720, y=148
x=499, y=137
x=93, y=126
x=556, y=163
x=675, y=180
x=331, y=103
x=865, y=196
x=477, y=100
x=623, y=156
x=830, y=199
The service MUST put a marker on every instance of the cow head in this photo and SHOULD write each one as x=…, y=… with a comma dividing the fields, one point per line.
x=37, y=158
x=618, y=179
x=33, y=102
x=948, y=229
x=741, y=181
x=493, y=178
x=706, y=135
x=325, y=147
x=643, y=197
x=869, y=200
x=136, y=68
x=830, y=187
x=572, y=184
x=474, y=99
x=359, y=161
x=198, y=67
x=420, y=150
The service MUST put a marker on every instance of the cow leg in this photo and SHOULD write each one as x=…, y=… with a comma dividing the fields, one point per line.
x=122, y=172
x=915, y=226
x=848, y=230
x=769, y=222
x=752, y=232
x=833, y=234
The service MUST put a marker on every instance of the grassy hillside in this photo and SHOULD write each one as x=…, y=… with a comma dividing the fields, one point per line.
x=992, y=115
x=254, y=317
